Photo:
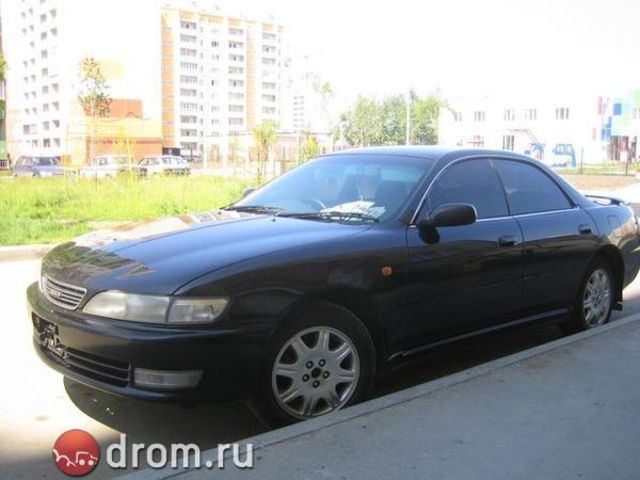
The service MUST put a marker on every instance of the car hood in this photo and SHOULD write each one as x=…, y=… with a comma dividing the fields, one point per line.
x=162, y=255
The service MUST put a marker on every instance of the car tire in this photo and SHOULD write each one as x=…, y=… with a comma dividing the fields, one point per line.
x=315, y=370
x=595, y=300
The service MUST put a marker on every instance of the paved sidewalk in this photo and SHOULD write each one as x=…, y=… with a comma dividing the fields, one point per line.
x=569, y=409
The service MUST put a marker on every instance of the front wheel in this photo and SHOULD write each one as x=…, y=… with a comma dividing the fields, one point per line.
x=595, y=300
x=322, y=361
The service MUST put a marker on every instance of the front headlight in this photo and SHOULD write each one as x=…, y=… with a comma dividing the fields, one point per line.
x=155, y=309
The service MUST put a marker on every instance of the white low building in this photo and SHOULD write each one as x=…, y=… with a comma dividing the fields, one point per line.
x=523, y=122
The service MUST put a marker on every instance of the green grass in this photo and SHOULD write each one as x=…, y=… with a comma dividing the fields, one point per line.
x=57, y=209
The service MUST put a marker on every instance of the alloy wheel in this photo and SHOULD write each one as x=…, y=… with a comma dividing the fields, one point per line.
x=315, y=372
x=596, y=301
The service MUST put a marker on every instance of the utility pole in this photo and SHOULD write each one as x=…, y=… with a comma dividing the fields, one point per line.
x=408, y=123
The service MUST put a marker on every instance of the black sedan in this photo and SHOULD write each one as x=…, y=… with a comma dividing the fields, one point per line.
x=302, y=293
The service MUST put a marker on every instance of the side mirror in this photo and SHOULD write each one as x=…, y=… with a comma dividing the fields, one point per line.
x=450, y=215
x=248, y=191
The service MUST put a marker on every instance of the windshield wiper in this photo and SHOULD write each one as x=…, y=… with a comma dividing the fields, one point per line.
x=254, y=208
x=332, y=215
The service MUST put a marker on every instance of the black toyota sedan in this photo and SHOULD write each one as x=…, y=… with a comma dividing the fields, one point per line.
x=302, y=293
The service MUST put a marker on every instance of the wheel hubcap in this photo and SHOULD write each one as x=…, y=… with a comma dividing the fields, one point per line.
x=597, y=298
x=315, y=372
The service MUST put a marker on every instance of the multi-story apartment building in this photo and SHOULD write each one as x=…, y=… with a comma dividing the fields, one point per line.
x=221, y=76
x=306, y=103
x=44, y=43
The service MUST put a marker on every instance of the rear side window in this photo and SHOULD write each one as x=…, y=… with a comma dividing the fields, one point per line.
x=474, y=182
x=530, y=190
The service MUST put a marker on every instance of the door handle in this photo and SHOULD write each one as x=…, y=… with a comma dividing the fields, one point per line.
x=507, y=241
x=585, y=229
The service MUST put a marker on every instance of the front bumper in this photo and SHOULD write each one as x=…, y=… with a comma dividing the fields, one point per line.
x=103, y=353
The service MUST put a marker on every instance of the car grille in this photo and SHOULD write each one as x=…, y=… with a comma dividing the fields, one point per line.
x=86, y=364
x=62, y=294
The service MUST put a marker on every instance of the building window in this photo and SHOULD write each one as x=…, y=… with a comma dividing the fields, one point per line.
x=478, y=141
x=509, y=115
x=531, y=114
x=562, y=113
x=636, y=113
x=507, y=142
x=188, y=79
x=478, y=116
x=457, y=117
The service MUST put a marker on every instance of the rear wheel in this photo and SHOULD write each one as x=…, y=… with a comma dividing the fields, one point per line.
x=595, y=300
x=320, y=362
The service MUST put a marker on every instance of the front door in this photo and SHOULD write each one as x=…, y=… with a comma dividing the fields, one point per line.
x=465, y=277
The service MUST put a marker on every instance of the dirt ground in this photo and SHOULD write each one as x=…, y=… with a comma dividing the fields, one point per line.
x=600, y=182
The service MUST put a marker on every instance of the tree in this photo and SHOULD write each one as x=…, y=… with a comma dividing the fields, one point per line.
x=360, y=124
x=3, y=67
x=371, y=122
x=93, y=95
x=425, y=113
x=309, y=147
x=265, y=136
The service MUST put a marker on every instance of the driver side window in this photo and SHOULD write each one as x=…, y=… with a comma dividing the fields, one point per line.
x=471, y=181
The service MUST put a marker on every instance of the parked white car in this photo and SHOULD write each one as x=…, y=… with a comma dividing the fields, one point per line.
x=163, y=164
x=107, y=166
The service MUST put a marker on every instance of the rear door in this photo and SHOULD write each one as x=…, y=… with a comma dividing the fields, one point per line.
x=559, y=236
x=465, y=277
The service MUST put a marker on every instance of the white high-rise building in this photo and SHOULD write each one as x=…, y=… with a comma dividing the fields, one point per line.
x=221, y=76
x=44, y=43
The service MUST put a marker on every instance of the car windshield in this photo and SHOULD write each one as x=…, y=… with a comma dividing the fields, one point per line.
x=47, y=161
x=343, y=187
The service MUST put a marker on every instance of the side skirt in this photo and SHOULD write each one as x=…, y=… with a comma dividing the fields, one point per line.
x=554, y=315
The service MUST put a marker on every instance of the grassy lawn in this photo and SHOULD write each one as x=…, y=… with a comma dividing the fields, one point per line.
x=56, y=209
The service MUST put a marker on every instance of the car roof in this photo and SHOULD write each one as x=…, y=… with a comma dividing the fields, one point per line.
x=432, y=152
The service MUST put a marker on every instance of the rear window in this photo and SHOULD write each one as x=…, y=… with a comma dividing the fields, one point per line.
x=530, y=190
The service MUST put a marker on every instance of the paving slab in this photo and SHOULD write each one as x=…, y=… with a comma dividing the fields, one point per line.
x=567, y=409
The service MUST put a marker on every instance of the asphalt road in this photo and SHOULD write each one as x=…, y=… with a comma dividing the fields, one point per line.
x=36, y=405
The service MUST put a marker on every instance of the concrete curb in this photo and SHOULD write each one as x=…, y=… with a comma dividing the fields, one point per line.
x=297, y=430
x=24, y=252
